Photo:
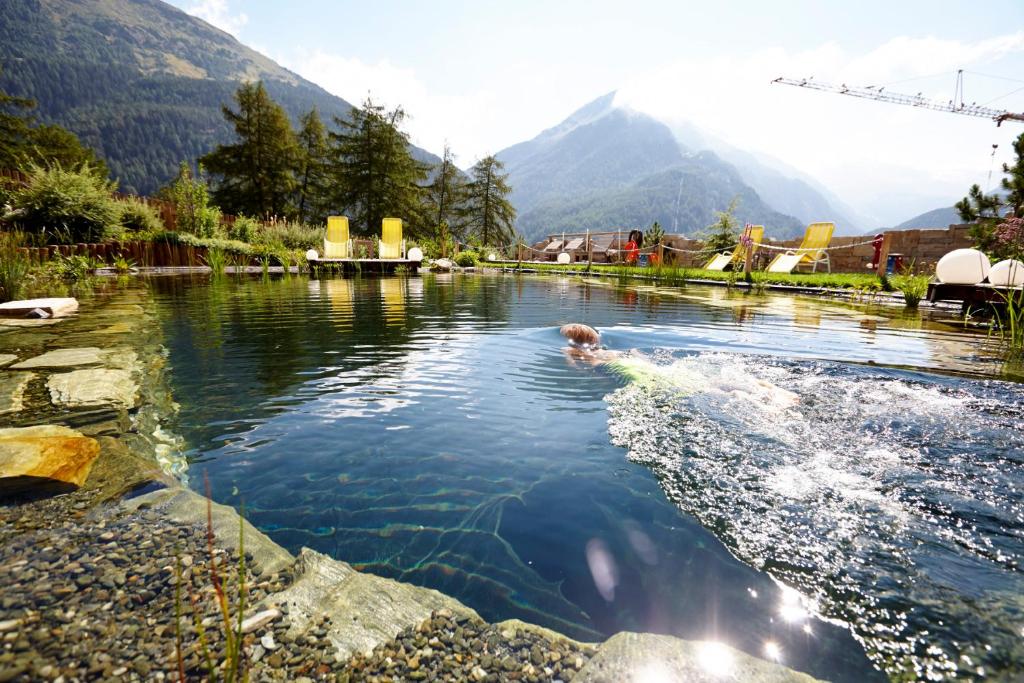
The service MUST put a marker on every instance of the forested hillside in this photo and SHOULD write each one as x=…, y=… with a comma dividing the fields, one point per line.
x=139, y=80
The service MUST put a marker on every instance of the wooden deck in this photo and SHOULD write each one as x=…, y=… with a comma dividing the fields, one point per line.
x=970, y=295
x=385, y=266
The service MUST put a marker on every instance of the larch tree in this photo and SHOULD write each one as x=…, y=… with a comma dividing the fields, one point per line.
x=312, y=182
x=445, y=197
x=489, y=214
x=256, y=174
x=373, y=170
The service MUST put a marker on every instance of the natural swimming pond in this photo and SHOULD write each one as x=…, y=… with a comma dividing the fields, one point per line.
x=432, y=429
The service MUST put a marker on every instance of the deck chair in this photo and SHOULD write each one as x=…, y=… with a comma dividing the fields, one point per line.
x=811, y=251
x=572, y=246
x=336, y=242
x=720, y=261
x=553, y=245
x=391, y=243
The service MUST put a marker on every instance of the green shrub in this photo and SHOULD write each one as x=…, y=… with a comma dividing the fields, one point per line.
x=191, y=199
x=914, y=287
x=139, y=217
x=293, y=235
x=72, y=268
x=245, y=229
x=67, y=206
x=466, y=259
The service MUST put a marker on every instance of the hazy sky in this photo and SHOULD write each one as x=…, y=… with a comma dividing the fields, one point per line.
x=486, y=75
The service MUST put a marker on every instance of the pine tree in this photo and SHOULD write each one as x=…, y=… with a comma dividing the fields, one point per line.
x=374, y=172
x=311, y=179
x=445, y=197
x=977, y=205
x=1014, y=182
x=257, y=173
x=490, y=216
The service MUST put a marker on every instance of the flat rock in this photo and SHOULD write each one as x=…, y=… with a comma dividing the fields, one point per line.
x=44, y=456
x=12, y=390
x=365, y=610
x=64, y=358
x=7, y=359
x=55, y=308
x=639, y=657
x=93, y=387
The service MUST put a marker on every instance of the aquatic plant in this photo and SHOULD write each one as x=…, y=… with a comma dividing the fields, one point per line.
x=73, y=268
x=914, y=287
x=216, y=259
x=14, y=266
x=123, y=264
x=1008, y=322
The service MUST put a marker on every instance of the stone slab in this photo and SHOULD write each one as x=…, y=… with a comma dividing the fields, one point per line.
x=64, y=358
x=93, y=387
x=12, y=390
x=7, y=359
x=641, y=657
x=187, y=507
x=365, y=610
x=56, y=307
x=44, y=456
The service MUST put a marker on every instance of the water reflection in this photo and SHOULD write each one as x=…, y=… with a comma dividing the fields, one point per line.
x=430, y=429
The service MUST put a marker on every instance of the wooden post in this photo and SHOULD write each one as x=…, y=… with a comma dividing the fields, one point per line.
x=661, y=254
x=883, y=255
x=748, y=259
x=590, y=254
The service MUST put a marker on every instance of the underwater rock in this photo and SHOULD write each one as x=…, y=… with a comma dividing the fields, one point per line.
x=648, y=657
x=7, y=359
x=12, y=390
x=95, y=387
x=44, y=456
x=56, y=307
x=365, y=610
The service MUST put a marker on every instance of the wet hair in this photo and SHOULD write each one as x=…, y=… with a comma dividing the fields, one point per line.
x=581, y=335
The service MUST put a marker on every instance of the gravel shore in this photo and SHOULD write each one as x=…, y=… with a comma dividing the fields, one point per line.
x=89, y=592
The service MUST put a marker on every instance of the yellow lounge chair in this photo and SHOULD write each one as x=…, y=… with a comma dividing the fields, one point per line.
x=720, y=261
x=391, y=243
x=811, y=250
x=336, y=242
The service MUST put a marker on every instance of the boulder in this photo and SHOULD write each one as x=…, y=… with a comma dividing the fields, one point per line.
x=45, y=456
x=93, y=387
x=53, y=308
x=640, y=657
x=64, y=358
x=365, y=610
x=12, y=390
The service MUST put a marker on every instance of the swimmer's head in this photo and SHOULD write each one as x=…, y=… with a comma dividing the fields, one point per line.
x=581, y=335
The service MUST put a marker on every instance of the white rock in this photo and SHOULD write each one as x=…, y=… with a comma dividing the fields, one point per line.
x=267, y=641
x=259, y=620
x=9, y=625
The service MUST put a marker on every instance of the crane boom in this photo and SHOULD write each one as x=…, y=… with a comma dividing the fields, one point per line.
x=879, y=94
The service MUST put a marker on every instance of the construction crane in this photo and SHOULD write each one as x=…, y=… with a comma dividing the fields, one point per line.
x=879, y=94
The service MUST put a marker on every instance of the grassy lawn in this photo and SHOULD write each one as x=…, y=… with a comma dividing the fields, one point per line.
x=674, y=275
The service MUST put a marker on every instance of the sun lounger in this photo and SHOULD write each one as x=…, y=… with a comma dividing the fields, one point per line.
x=553, y=245
x=336, y=242
x=811, y=250
x=391, y=243
x=720, y=261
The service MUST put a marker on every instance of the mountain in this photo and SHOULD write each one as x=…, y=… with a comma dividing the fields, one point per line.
x=140, y=81
x=937, y=218
x=606, y=167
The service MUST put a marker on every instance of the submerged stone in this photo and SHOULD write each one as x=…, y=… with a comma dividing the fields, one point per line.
x=93, y=387
x=44, y=456
x=64, y=358
x=12, y=390
x=647, y=657
x=7, y=359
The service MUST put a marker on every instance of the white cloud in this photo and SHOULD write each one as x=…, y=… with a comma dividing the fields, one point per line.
x=216, y=12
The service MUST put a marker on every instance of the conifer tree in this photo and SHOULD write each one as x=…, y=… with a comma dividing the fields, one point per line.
x=373, y=171
x=257, y=173
x=311, y=179
x=1013, y=183
x=445, y=197
x=489, y=214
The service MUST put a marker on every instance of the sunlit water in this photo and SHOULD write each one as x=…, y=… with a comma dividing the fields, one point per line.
x=432, y=429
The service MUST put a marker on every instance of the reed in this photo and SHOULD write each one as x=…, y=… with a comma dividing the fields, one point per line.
x=14, y=266
x=216, y=259
x=1009, y=322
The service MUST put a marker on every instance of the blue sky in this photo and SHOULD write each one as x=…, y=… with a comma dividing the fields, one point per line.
x=484, y=75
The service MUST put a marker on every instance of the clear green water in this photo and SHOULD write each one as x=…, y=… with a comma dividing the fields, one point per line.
x=432, y=429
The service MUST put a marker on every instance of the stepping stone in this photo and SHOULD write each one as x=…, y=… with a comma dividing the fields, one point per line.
x=95, y=387
x=7, y=359
x=54, y=308
x=64, y=358
x=12, y=390
x=46, y=456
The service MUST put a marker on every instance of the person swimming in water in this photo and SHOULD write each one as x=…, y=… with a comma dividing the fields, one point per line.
x=585, y=345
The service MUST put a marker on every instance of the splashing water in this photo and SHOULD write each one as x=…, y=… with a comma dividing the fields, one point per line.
x=891, y=500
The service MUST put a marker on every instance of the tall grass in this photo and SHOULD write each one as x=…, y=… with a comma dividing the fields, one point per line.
x=14, y=266
x=914, y=287
x=216, y=259
x=1009, y=322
